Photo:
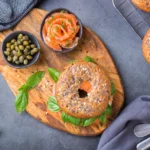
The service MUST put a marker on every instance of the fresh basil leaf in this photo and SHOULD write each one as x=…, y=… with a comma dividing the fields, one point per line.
x=108, y=110
x=54, y=74
x=71, y=61
x=86, y=122
x=23, y=88
x=21, y=101
x=103, y=118
x=34, y=79
x=88, y=59
x=113, y=88
x=67, y=118
x=53, y=105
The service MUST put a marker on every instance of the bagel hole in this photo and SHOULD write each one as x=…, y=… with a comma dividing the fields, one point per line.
x=82, y=93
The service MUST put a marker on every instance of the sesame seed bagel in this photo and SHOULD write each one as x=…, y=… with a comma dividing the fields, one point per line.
x=85, y=76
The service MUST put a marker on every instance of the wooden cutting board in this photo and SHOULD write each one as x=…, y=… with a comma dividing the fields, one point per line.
x=90, y=45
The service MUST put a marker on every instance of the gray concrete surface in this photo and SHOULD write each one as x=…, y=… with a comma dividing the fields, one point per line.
x=22, y=132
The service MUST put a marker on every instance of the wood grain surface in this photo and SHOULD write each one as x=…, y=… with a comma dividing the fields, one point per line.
x=89, y=45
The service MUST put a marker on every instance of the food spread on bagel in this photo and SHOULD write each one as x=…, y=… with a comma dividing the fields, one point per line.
x=83, y=93
x=60, y=30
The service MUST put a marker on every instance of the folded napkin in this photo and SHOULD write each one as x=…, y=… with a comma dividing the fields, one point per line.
x=120, y=134
x=11, y=11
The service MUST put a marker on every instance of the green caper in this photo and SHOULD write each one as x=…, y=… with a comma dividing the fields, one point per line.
x=6, y=53
x=21, y=59
x=17, y=62
x=16, y=48
x=25, y=38
x=26, y=51
x=14, y=52
x=8, y=49
x=19, y=53
x=9, y=58
x=12, y=47
x=25, y=43
x=29, y=57
x=19, y=42
x=13, y=41
x=20, y=36
x=33, y=46
x=8, y=45
x=29, y=41
x=33, y=51
x=21, y=47
x=25, y=62
x=28, y=47
x=15, y=58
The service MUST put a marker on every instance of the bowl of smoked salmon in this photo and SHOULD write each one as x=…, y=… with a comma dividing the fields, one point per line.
x=61, y=30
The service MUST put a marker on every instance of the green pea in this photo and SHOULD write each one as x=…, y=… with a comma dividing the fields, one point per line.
x=12, y=47
x=15, y=58
x=8, y=45
x=20, y=36
x=25, y=62
x=17, y=62
x=33, y=51
x=25, y=43
x=6, y=53
x=21, y=47
x=33, y=46
x=29, y=57
x=13, y=41
x=9, y=58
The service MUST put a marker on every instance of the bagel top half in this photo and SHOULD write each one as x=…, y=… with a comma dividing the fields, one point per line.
x=88, y=78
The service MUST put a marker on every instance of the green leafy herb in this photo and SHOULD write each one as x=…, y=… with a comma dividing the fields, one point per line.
x=113, y=88
x=71, y=61
x=21, y=101
x=62, y=11
x=88, y=59
x=67, y=42
x=86, y=122
x=48, y=21
x=108, y=111
x=53, y=105
x=63, y=24
x=22, y=98
x=34, y=79
x=70, y=21
x=52, y=17
x=54, y=74
x=67, y=118
x=73, y=29
x=103, y=118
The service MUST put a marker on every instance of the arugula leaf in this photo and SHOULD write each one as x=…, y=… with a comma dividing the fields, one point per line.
x=34, y=79
x=73, y=120
x=54, y=74
x=88, y=59
x=71, y=61
x=86, y=122
x=21, y=101
x=52, y=104
x=103, y=118
x=113, y=88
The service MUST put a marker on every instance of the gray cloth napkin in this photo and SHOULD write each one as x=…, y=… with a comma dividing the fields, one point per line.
x=120, y=134
x=11, y=11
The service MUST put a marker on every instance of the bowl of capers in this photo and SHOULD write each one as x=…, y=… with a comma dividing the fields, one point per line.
x=21, y=49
